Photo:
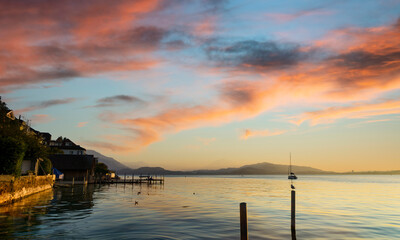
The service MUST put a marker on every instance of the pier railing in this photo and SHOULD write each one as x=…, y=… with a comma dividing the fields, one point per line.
x=140, y=179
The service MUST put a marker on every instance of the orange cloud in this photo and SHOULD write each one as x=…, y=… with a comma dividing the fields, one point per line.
x=365, y=110
x=358, y=64
x=371, y=121
x=369, y=58
x=260, y=133
x=105, y=145
x=236, y=101
x=355, y=73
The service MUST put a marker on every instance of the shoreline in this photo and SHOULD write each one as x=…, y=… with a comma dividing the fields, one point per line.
x=14, y=190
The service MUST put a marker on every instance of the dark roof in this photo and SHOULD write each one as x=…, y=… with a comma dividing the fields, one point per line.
x=76, y=147
x=72, y=162
x=46, y=136
x=65, y=143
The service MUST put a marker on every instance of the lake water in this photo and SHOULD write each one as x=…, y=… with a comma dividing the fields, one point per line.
x=207, y=207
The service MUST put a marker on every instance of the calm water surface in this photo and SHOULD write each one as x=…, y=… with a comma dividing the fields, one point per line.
x=207, y=207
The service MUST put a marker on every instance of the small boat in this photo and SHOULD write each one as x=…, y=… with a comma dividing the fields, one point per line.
x=291, y=174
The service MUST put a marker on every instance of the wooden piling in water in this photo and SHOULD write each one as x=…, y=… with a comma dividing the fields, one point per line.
x=73, y=181
x=293, y=215
x=244, y=235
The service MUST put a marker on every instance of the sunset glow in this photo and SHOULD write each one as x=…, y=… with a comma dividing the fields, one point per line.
x=210, y=84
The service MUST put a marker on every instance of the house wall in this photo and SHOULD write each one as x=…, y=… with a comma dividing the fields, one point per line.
x=77, y=175
x=73, y=152
x=26, y=166
x=29, y=165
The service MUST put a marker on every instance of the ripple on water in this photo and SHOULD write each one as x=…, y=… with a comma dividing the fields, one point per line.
x=329, y=207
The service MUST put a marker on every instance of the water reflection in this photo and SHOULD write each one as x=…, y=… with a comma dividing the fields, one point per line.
x=24, y=214
x=67, y=199
x=23, y=218
x=329, y=207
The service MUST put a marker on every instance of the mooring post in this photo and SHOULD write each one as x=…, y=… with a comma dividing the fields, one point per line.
x=293, y=222
x=124, y=178
x=73, y=181
x=244, y=235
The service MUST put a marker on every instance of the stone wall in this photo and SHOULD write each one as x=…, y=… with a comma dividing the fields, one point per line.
x=12, y=189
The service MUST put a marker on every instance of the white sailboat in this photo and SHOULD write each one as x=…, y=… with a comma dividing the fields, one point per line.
x=291, y=175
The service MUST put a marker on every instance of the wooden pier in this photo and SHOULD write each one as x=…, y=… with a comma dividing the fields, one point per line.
x=141, y=179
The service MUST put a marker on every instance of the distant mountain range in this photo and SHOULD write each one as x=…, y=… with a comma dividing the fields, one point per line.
x=112, y=163
x=255, y=169
x=109, y=161
x=259, y=168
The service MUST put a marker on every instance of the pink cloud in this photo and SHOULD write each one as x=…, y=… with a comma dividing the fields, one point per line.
x=43, y=47
x=46, y=104
x=41, y=118
x=362, y=64
x=354, y=74
x=82, y=124
x=205, y=27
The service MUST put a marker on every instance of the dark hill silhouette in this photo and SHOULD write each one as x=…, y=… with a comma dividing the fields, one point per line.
x=111, y=163
x=258, y=168
x=270, y=168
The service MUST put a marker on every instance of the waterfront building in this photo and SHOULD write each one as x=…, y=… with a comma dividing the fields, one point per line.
x=72, y=160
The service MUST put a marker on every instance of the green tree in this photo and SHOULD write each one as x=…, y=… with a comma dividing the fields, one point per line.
x=18, y=142
x=101, y=169
x=12, y=154
x=45, y=167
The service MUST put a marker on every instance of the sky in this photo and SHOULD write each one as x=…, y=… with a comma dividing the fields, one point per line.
x=207, y=84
